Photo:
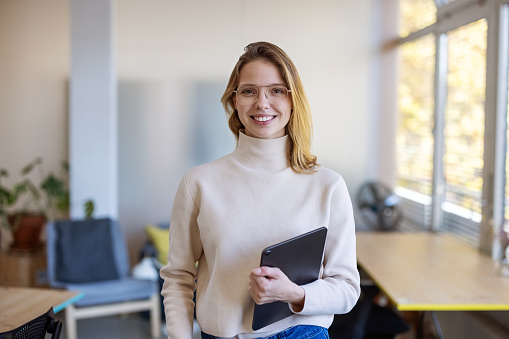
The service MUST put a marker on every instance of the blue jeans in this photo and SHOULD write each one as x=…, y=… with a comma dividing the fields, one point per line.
x=296, y=332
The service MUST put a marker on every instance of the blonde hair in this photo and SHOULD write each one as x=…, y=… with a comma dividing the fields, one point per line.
x=300, y=125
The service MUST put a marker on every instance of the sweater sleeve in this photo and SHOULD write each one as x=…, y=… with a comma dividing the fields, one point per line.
x=339, y=289
x=180, y=273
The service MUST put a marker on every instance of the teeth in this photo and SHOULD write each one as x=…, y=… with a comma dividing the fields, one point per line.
x=263, y=118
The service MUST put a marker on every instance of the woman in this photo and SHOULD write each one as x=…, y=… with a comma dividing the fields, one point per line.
x=268, y=190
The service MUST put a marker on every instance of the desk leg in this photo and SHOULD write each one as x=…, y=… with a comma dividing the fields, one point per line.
x=420, y=329
x=437, y=325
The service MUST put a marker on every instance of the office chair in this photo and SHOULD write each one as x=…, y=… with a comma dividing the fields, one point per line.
x=90, y=256
x=36, y=328
x=367, y=320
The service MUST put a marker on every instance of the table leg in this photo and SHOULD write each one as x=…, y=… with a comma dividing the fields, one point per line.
x=420, y=333
x=437, y=325
x=420, y=326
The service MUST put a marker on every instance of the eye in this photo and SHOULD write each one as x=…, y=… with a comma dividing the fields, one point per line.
x=247, y=91
x=277, y=91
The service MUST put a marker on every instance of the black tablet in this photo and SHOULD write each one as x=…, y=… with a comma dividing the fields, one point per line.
x=300, y=258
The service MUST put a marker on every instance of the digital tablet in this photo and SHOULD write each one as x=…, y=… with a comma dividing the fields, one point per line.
x=300, y=258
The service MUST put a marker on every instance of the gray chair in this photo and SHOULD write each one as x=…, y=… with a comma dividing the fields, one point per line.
x=90, y=256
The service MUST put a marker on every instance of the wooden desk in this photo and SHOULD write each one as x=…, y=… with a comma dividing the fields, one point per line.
x=19, y=305
x=431, y=272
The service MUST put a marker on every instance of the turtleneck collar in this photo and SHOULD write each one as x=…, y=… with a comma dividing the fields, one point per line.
x=268, y=155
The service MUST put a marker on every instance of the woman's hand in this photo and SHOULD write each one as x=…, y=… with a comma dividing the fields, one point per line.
x=269, y=284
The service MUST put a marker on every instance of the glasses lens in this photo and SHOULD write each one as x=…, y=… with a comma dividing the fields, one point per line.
x=276, y=95
x=247, y=95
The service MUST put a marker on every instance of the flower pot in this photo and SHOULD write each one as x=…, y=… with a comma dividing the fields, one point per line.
x=27, y=233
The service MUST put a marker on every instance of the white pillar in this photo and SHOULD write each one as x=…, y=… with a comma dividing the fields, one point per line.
x=93, y=109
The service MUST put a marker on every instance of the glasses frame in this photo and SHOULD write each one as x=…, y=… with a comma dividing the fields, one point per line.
x=258, y=94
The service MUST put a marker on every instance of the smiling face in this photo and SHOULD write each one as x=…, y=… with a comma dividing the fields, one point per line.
x=262, y=119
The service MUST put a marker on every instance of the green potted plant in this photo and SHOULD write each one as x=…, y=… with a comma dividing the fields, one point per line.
x=26, y=206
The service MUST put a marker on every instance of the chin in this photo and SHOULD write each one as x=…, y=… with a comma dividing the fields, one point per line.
x=266, y=135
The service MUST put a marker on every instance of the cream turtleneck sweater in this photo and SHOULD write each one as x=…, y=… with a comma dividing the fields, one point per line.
x=226, y=212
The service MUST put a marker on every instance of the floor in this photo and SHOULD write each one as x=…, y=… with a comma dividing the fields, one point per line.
x=130, y=326
x=134, y=326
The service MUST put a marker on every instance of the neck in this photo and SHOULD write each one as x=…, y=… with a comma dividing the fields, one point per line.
x=267, y=155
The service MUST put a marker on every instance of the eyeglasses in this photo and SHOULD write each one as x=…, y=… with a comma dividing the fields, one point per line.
x=276, y=95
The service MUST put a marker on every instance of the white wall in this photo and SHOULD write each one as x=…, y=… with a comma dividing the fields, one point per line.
x=168, y=49
x=174, y=59
x=93, y=110
x=34, y=70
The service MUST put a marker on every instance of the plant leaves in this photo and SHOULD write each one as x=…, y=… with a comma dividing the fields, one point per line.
x=17, y=191
x=53, y=187
x=65, y=165
x=89, y=208
x=4, y=194
x=35, y=192
x=28, y=168
x=63, y=203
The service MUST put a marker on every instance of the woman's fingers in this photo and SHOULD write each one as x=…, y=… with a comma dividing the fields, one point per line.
x=269, y=284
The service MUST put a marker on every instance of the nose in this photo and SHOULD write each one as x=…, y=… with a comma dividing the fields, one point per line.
x=262, y=101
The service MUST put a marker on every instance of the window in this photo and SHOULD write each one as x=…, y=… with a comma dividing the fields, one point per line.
x=464, y=130
x=414, y=140
x=449, y=99
x=416, y=15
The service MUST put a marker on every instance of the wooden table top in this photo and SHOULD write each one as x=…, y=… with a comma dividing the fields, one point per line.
x=431, y=272
x=19, y=305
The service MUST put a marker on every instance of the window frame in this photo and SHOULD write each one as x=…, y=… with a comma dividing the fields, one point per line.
x=450, y=16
